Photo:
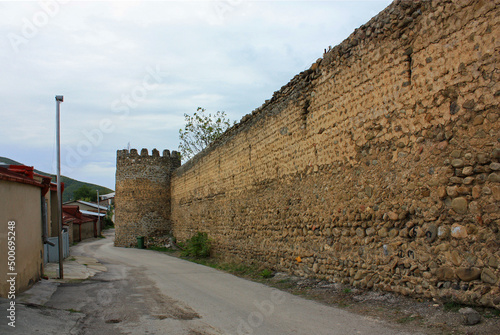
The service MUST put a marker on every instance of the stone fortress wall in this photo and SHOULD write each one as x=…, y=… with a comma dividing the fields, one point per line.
x=377, y=167
x=142, y=198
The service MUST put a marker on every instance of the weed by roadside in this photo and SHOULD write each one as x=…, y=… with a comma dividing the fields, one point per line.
x=266, y=273
x=71, y=310
x=162, y=249
x=197, y=246
x=491, y=313
x=197, y=250
x=452, y=306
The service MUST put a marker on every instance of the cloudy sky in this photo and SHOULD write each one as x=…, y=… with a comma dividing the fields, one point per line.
x=130, y=70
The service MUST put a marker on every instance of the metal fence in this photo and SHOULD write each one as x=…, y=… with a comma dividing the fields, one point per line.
x=51, y=253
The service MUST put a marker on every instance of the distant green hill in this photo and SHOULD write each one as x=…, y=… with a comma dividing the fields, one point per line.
x=70, y=185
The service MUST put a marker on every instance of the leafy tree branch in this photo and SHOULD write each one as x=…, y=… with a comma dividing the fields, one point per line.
x=200, y=130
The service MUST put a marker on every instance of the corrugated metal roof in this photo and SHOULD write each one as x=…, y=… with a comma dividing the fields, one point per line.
x=72, y=213
x=91, y=204
x=89, y=213
x=107, y=196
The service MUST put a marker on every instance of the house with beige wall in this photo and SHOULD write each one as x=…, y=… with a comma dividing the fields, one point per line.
x=24, y=217
x=90, y=209
x=82, y=226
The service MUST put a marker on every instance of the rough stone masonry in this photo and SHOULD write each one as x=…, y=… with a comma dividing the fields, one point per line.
x=379, y=166
x=142, y=198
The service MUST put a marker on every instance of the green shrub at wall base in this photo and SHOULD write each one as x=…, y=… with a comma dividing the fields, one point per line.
x=266, y=273
x=197, y=246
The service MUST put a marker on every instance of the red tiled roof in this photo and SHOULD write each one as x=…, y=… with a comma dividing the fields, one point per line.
x=23, y=169
x=26, y=175
x=72, y=213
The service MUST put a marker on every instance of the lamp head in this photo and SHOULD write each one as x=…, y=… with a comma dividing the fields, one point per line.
x=59, y=98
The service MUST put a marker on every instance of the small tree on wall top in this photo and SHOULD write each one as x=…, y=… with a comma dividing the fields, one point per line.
x=200, y=130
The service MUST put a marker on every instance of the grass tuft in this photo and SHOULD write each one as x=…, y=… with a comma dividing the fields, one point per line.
x=162, y=249
x=266, y=273
x=452, y=306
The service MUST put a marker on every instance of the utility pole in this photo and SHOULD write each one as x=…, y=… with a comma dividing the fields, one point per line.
x=59, y=99
x=98, y=215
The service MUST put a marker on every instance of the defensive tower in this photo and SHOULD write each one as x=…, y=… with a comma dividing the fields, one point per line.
x=142, y=197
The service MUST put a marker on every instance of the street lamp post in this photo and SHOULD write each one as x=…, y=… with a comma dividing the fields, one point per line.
x=98, y=230
x=59, y=99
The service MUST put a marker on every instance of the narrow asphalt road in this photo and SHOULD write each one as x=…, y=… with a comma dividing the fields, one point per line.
x=147, y=292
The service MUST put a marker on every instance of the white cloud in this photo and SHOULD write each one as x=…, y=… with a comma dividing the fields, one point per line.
x=221, y=55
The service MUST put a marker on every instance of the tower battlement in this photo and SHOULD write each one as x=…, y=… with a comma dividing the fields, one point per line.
x=174, y=157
